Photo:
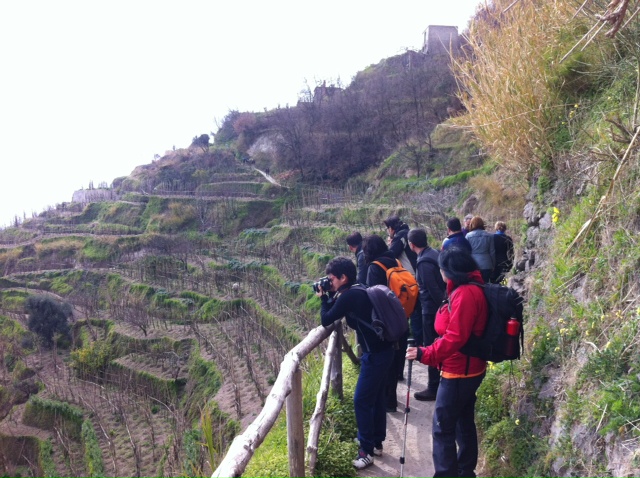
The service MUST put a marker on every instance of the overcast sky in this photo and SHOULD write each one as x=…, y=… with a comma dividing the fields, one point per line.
x=91, y=89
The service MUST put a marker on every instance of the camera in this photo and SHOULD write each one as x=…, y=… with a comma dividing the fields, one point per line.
x=324, y=283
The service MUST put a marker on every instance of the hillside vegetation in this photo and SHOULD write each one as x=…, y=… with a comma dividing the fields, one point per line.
x=188, y=280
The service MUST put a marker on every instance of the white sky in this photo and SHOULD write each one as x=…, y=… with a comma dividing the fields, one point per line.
x=91, y=89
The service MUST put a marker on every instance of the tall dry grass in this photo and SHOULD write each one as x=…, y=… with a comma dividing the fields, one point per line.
x=507, y=80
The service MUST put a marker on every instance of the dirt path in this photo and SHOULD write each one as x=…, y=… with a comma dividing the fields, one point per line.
x=268, y=177
x=417, y=452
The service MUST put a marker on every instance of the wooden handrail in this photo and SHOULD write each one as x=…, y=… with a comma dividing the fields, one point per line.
x=315, y=423
x=245, y=445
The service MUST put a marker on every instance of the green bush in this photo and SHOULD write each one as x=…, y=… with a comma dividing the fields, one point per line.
x=47, y=414
x=45, y=458
x=515, y=439
x=92, y=452
x=206, y=380
x=490, y=405
x=336, y=446
x=92, y=360
x=48, y=317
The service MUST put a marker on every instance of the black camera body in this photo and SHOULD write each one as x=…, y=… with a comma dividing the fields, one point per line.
x=324, y=283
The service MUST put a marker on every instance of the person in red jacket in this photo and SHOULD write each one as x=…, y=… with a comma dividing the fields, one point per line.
x=461, y=375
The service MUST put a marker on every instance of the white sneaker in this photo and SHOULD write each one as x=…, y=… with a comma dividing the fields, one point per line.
x=376, y=451
x=363, y=460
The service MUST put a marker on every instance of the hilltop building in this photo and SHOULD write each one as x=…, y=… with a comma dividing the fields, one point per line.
x=324, y=93
x=438, y=39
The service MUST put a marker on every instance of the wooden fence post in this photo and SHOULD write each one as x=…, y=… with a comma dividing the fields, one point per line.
x=336, y=363
x=295, y=429
x=315, y=423
x=243, y=446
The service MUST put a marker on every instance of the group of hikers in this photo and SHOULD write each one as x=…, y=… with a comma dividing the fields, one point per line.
x=450, y=308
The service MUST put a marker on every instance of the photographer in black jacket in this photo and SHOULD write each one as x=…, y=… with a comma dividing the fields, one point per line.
x=369, y=400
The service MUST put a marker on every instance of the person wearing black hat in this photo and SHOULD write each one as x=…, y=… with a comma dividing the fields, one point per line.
x=455, y=438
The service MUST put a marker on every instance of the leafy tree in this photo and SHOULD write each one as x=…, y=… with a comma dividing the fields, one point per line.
x=48, y=317
x=226, y=130
x=202, y=141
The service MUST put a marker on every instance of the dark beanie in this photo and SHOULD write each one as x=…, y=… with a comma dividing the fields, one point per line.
x=457, y=263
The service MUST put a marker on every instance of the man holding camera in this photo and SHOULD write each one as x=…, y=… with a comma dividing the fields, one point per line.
x=338, y=300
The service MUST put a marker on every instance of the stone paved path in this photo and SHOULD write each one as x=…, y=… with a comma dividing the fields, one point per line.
x=417, y=454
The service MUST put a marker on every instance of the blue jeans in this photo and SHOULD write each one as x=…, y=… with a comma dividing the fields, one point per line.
x=369, y=398
x=486, y=275
x=396, y=370
x=454, y=423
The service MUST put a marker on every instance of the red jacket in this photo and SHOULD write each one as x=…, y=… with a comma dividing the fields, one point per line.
x=465, y=314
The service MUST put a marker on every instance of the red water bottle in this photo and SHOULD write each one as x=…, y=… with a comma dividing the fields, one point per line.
x=513, y=330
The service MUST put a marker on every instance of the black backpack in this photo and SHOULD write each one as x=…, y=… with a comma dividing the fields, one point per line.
x=388, y=319
x=496, y=343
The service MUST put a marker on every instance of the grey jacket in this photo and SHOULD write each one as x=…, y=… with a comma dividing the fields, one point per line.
x=482, y=249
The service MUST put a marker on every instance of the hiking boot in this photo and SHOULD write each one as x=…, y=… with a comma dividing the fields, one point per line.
x=362, y=460
x=426, y=395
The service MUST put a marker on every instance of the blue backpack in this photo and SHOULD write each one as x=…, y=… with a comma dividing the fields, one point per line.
x=388, y=319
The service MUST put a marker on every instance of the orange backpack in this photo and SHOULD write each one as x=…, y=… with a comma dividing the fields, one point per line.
x=403, y=284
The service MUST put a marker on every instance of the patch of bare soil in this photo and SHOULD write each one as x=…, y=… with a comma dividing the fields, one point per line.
x=137, y=434
x=245, y=376
x=131, y=434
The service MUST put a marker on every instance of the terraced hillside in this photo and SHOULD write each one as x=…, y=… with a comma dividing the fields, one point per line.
x=189, y=281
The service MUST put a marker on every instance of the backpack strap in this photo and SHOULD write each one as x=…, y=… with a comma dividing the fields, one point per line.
x=447, y=300
x=359, y=320
x=384, y=268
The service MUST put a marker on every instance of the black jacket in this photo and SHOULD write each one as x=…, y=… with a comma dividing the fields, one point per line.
x=400, y=244
x=376, y=275
x=361, y=266
x=432, y=287
x=504, y=252
x=353, y=304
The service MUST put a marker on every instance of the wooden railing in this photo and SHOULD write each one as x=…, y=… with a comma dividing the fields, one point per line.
x=288, y=388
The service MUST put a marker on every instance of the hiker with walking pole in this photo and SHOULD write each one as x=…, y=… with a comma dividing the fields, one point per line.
x=410, y=343
x=464, y=312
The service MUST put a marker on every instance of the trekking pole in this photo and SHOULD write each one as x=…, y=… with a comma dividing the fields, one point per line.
x=410, y=343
